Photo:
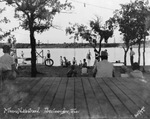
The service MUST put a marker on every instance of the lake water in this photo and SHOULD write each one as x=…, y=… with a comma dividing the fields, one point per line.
x=114, y=54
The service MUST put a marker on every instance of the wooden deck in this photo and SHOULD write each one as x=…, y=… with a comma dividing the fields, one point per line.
x=79, y=98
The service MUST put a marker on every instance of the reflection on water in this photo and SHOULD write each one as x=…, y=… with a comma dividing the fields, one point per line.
x=114, y=54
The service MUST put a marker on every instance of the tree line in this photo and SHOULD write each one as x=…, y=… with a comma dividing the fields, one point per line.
x=63, y=45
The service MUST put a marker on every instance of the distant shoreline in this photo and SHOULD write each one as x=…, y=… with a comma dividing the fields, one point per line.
x=70, y=45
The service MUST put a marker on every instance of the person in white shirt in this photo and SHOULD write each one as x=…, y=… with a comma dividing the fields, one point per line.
x=22, y=55
x=103, y=68
x=7, y=64
x=132, y=53
x=74, y=61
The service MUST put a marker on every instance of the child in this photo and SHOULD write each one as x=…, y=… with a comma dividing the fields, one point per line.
x=84, y=67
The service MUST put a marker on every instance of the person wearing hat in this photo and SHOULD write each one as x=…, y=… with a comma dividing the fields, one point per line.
x=103, y=68
x=7, y=64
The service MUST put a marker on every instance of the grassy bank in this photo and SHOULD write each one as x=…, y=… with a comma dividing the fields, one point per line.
x=58, y=71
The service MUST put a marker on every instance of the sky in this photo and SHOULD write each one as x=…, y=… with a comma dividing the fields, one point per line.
x=83, y=12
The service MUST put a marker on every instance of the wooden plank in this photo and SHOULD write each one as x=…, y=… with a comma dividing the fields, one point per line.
x=46, y=104
x=49, y=97
x=103, y=102
x=136, y=99
x=138, y=88
x=80, y=100
x=131, y=108
x=117, y=105
x=59, y=98
x=58, y=102
x=94, y=109
x=8, y=96
x=22, y=87
x=38, y=98
x=32, y=93
x=69, y=99
x=41, y=93
x=15, y=105
x=19, y=86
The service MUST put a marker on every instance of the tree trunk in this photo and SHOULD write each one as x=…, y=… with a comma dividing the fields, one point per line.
x=125, y=57
x=144, y=55
x=139, y=53
x=33, y=49
x=125, y=53
x=100, y=44
x=33, y=54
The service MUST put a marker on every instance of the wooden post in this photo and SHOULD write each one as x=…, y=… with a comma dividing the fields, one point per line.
x=40, y=54
x=42, y=57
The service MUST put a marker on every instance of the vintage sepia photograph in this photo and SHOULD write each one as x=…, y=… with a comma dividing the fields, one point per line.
x=74, y=59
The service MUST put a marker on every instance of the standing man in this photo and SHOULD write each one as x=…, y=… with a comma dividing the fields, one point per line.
x=89, y=57
x=48, y=56
x=132, y=53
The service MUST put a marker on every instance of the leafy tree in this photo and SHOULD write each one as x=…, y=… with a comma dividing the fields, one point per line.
x=36, y=16
x=131, y=21
x=92, y=33
x=147, y=28
x=123, y=18
x=141, y=14
x=4, y=20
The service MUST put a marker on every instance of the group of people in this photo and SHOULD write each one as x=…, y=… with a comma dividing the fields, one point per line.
x=103, y=68
x=73, y=72
x=64, y=62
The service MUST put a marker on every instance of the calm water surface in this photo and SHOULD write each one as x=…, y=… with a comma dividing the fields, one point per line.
x=80, y=54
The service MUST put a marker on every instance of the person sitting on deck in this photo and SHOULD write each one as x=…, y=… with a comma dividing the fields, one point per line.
x=124, y=71
x=103, y=68
x=7, y=64
x=72, y=72
x=136, y=73
x=84, y=67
